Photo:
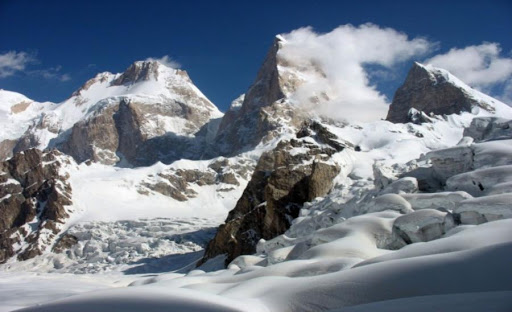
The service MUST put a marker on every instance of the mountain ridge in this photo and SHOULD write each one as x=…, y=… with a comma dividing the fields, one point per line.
x=152, y=116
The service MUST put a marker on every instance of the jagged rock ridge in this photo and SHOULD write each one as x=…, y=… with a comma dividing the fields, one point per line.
x=34, y=200
x=295, y=172
x=265, y=112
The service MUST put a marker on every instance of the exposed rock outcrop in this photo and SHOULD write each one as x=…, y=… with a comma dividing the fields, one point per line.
x=6, y=149
x=34, y=201
x=296, y=171
x=138, y=71
x=430, y=90
x=180, y=183
x=264, y=109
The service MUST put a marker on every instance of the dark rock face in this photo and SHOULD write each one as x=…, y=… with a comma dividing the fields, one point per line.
x=137, y=72
x=428, y=91
x=6, y=149
x=322, y=135
x=65, y=242
x=118, y=130
x=283, y=180
x=178, y=182
x=34, y=196
x=95, y=138
x=262, y=111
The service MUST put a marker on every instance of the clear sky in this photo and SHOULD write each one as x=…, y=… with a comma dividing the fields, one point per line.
x=61, y=44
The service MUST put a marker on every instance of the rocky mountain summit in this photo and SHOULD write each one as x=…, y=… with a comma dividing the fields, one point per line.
x=133, y=117
x=265, y=112
x=434, y=91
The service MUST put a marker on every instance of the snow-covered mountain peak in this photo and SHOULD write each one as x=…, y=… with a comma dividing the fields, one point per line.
x=436, y=91
x=152, y=99
x=138, y=71
x=99, y=78
x=485, y=101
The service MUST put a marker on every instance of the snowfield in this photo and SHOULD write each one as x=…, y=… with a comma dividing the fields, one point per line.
x=454, y=266
x=342, y=252
x=419, y=217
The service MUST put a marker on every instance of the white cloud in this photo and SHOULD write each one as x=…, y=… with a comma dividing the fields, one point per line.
x=480, y=66
x=506, y=97
x=12, y=62
x=166, y=60
x=50, y=73
x=341, y=56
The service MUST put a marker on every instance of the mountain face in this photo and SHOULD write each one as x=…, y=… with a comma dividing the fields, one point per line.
x=139, y=172
x=17, y=113
x=435, y=91
x=35, y=202
x=263, y=161
x=132, y=117
x=296, y=171
x=265, y=112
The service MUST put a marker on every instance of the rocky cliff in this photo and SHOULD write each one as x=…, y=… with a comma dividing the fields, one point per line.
x=148, y=113
x=34, y=202
x=296, y=171
x=432, y=91
x=265, y=112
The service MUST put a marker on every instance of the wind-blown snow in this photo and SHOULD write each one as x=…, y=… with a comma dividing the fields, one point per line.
x=332, y=67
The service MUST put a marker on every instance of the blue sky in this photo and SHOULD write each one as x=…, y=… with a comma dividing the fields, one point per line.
x=221, y=44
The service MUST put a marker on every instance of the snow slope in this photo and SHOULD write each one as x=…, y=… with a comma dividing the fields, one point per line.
x=335, y=254
x=350, y=250
x=326, y=282
x=17, y=113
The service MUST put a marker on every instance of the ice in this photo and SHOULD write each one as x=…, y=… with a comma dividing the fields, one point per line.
x=484, y=209
x=389, y=202
x=421, y=226
x=493, y=153
x=478, y=182
x=451, y=161
x=489, y=128
x=401, y=186
x=446, y=200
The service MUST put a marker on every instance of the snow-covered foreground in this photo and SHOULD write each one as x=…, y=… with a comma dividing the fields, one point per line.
x=473, y=264
x=108, y=255
x=374, y=242
x=21, y=289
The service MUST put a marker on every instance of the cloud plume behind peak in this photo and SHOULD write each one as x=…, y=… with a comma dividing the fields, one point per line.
x=338, y=74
